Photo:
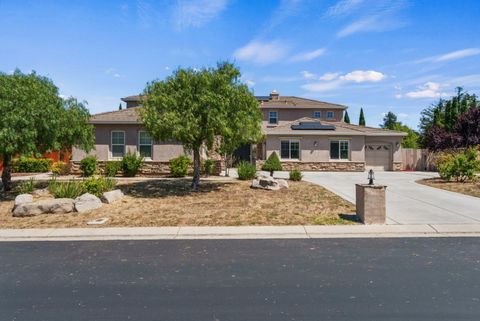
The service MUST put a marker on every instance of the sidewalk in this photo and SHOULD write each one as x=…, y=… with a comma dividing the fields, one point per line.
x=242, y=232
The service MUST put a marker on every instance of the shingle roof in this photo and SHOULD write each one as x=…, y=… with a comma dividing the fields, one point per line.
x=341, y=129
x=124, y=116
x=293, y=101
x=132, y=98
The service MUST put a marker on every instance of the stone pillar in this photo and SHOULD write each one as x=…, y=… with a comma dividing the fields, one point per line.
x=370, y=200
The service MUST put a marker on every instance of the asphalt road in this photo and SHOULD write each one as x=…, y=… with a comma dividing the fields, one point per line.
x=244, y=280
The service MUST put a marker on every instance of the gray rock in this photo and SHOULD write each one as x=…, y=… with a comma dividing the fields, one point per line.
x=112, y=196
x=22, y=199
x=50, y=206
x=41, y=192
x=87, y=202
x=282, y=183
x=256, y=183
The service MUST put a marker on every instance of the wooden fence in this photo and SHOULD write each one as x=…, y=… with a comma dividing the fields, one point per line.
x=415, y=159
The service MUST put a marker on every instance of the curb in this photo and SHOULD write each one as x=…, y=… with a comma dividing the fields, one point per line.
x=241, y=232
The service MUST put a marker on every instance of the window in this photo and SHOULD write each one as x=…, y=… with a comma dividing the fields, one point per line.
x=118, y=143
x=290, y=149
x=330, y=114
x=145, y=144
x=272, y=117
x=317, y=114
x=339, y=149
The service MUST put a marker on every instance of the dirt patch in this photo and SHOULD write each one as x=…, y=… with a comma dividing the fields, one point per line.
x=166, y=202
x=467, y=188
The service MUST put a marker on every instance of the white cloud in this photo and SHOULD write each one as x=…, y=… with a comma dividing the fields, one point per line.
x=323, y=86
x=364, y=76
x=308, y=75
x=366, y=24
x=332, y=80
x=329, y=76
x=343, y=7
x=113, y=72
x=261, y=52
x=427, y=90
x=196, y=13
x=249, y=83
x=307, y=56
x=454, y=55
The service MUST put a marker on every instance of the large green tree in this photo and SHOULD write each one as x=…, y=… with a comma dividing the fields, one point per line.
x=389, y=121
x=346, y=117
x=34, y=119
x=196, y=107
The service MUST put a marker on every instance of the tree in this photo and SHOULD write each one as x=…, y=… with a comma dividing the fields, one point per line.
x=389, y=121
x=120, y=106
x=468, y=128
x=196, y=107
x=438, y=138
x=361, y=120
x=272, y=164
x=346, y=118
x=34, y=119
x=412, y=138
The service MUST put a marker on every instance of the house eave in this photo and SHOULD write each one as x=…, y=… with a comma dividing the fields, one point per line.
x=116, y=122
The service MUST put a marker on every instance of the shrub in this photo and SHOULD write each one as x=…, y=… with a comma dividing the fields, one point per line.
x=295, y=175
x=27, y=186
x=25, y=164
x=131, y=164
x=179, y=166
x=272, y=164
x=70, y=189
x=98, y=185
x=60, y=168
x=246, y=171
x=461, y=166
x=111, y=168
x=208, y=167
x=88, y=166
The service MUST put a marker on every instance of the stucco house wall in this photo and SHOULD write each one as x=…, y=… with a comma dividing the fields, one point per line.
x=321, y=152
x=288, y=115
x=162, y=151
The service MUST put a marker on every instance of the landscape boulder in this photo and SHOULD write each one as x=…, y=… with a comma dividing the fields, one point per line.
x=22, y=199
x=112, y=196
x=87, y=202
x=269, y=183
x=41, y=192
x=49, y=206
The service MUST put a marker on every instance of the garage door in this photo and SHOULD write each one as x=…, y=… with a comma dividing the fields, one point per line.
x=377, y=156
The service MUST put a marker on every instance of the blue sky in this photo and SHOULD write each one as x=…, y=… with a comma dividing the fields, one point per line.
x=394, y=55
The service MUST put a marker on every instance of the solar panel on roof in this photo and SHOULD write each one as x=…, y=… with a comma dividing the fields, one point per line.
x=312, y=125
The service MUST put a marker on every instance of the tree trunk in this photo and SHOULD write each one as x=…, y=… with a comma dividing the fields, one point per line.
x=226, y=165
x=6, y=177
x=196, y=169
x=271, y=173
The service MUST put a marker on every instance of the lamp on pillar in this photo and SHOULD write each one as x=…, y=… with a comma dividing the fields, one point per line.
x=371, y=177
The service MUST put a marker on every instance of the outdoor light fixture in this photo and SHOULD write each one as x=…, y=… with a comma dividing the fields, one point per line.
x=315, y=143
x=371, y=177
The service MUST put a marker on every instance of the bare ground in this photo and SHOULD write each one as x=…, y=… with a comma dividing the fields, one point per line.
x=165, y=202
x=467, y=188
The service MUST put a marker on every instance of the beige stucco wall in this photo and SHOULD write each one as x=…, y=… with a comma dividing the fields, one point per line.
x=163, y=151
x=288, y=115
x=395, y=142
x=320, y=153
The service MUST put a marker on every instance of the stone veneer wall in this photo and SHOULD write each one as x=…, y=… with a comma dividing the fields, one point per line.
x=320, y=166
x=149, y=168
x=397, y=166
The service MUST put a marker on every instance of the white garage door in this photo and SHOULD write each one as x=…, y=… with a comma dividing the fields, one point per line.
x=377, y=156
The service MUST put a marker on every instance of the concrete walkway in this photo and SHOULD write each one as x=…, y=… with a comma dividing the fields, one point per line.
x=242, y=232
x=407, y=201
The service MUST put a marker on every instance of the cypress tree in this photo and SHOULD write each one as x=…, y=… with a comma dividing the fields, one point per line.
x=448, y=115
x=361, y=120
x=346, y=118
x=464, y=104
x=454, y=111
x=120, y=106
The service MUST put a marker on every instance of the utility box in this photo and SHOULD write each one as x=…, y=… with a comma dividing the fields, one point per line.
x=370, y=201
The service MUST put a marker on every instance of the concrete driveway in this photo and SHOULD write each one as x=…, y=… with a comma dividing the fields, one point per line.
x=407, y=201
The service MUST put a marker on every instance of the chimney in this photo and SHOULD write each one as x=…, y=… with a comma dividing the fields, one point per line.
x=274, y=95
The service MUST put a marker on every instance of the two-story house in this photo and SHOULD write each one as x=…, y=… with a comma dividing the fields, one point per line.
x=306, y=134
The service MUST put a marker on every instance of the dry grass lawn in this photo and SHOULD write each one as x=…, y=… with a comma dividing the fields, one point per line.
x=468, y=188
x=171, y=203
